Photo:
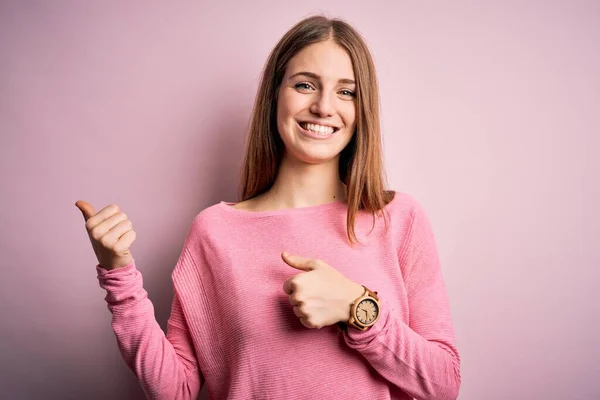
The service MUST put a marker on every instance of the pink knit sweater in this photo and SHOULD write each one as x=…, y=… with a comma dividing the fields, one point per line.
x=233, y=329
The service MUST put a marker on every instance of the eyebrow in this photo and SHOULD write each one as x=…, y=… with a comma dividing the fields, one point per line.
x=315, y=76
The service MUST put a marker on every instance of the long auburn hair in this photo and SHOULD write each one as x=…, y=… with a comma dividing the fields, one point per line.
x=361, y=162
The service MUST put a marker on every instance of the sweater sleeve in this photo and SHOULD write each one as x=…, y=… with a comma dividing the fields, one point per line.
x=420, y=357
x=165, y=365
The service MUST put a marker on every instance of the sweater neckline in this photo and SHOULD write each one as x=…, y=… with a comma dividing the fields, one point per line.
x=227, y=206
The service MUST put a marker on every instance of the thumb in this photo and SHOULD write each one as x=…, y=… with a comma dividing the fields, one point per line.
x=301, y=263
x=86, y=209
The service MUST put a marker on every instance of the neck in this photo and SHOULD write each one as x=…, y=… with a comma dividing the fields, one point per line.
x=299, y=184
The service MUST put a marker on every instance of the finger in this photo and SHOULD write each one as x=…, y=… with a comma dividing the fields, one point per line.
x=308, y=324
x=112, y=236
x=289, y=286
x=125, y=241
x=298, y=312
x=101, y=216
x=104, y=227
x=293, y=299
x=298, y=262
x=86, y=209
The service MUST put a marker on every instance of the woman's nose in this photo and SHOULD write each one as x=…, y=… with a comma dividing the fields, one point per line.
x=323, y=105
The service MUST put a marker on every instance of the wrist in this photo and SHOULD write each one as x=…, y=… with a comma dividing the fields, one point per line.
x=364, y=310
x=355, y=290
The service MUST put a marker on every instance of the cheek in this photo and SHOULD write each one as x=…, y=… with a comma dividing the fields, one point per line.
x=349, y=116
x=289, y=105
x=282, y=113
x=284, y=110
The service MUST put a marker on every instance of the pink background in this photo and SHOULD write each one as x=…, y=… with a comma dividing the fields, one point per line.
x=491, y=112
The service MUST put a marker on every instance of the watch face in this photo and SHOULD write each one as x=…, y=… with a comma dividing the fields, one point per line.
x=367, y=311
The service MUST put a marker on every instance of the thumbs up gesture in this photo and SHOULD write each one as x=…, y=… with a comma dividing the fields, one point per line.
x=320, y=294
x=111, y=234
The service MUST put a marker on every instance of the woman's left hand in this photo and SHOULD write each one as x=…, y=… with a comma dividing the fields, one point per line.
x=321, y=295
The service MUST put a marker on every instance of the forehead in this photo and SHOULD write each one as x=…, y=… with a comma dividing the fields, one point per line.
x=326, y=59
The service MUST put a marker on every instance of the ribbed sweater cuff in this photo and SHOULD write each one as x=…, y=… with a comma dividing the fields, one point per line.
x=120, y=283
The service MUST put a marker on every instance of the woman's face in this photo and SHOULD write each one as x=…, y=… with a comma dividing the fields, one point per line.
x=316, y=106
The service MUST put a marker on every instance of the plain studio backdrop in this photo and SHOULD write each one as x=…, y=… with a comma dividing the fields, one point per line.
x=490, y=115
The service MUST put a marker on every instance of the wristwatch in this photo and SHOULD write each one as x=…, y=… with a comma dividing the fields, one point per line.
x=364, y=311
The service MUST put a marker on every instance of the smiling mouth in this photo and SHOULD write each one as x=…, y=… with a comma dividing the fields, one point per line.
x=323, y=130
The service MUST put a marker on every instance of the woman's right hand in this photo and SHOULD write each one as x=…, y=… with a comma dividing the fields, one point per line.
x=111, y=234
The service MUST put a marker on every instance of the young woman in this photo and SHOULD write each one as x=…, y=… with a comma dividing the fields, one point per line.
x=319, y=283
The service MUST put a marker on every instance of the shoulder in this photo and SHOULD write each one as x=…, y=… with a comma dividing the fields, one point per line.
x=407, y=216
x=207, y=229
x=404, y=205
x=411, y=222
x=220, y=220
x=210, y=219
x=252, y=204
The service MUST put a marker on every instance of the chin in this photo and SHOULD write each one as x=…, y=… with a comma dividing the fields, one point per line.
x=314, y=154
x=313, y=159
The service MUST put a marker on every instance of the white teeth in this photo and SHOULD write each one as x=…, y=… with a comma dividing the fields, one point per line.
x=320, y=129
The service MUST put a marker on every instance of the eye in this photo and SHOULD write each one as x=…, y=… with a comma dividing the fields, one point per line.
x=347, y=93
x=303, y=86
